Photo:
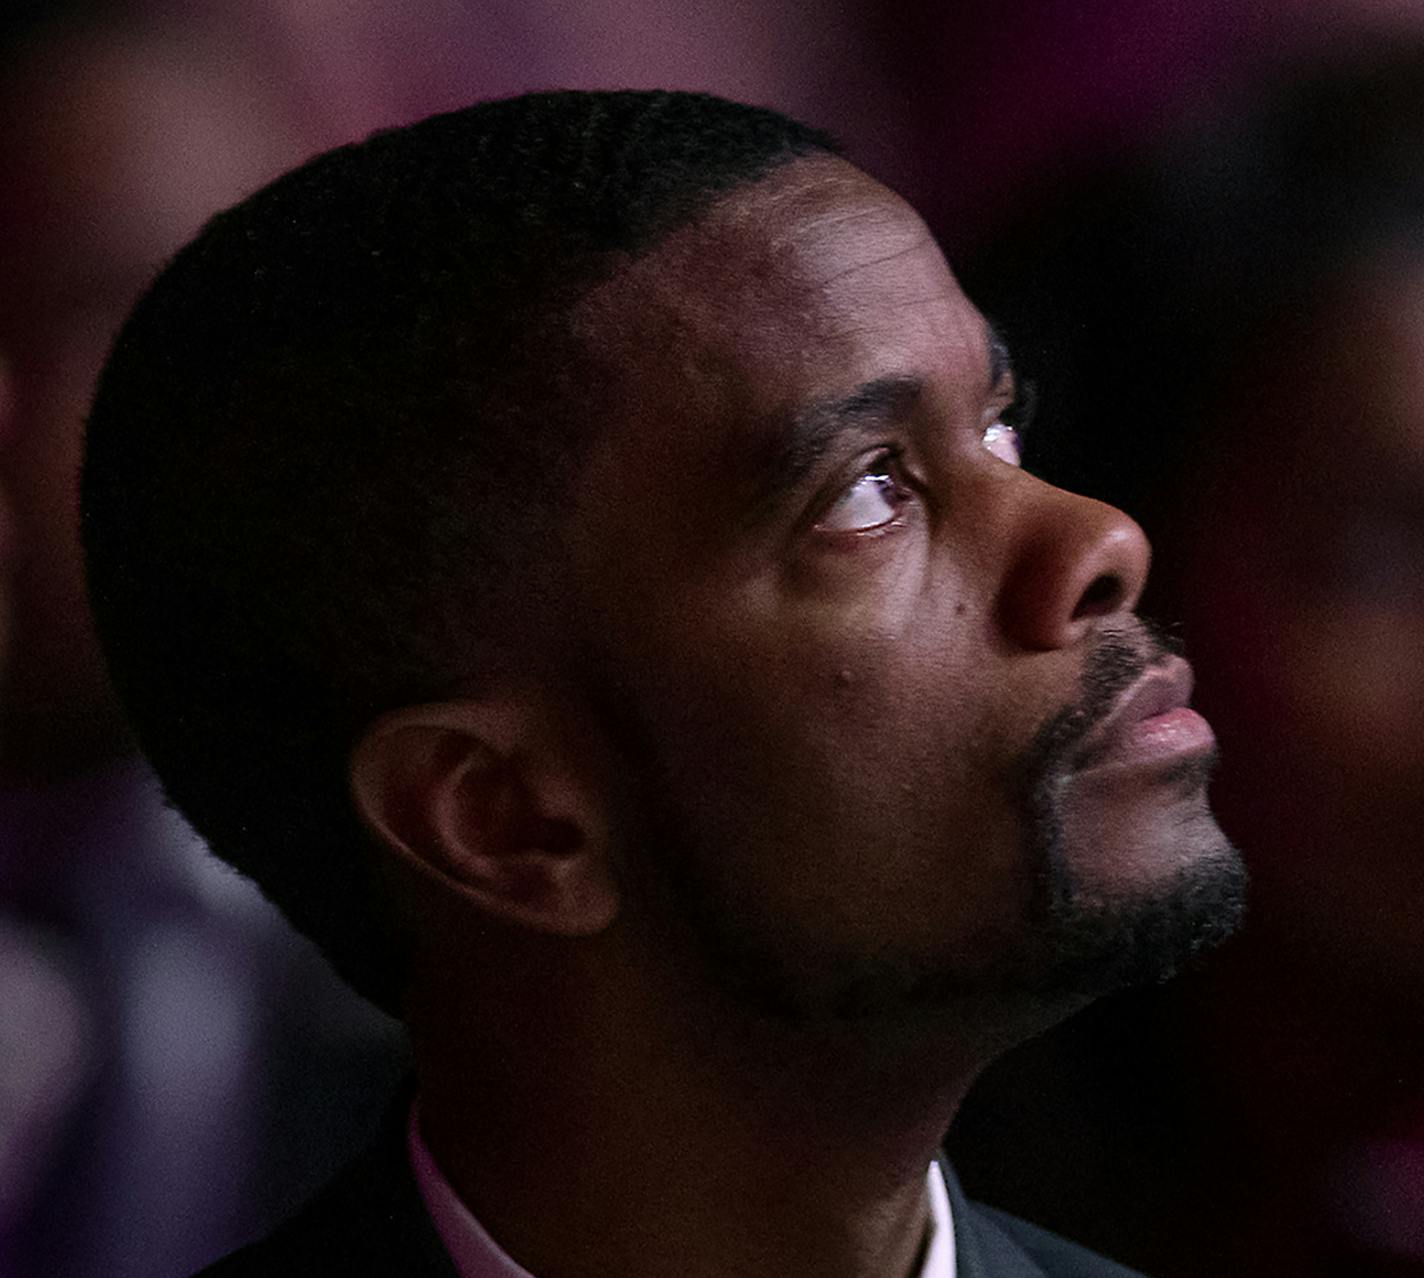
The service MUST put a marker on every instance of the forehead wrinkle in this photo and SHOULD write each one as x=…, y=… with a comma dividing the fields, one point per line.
x=797, y=220
x=895, y=255
x=884, y=211
x=857, y=323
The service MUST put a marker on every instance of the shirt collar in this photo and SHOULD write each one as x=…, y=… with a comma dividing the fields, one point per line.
x=476, y=1255
x=940, y=1258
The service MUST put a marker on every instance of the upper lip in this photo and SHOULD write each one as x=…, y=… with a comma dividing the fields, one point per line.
x=1164, y=686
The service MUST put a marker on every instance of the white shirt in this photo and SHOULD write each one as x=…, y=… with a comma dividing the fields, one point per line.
x=477, y=1255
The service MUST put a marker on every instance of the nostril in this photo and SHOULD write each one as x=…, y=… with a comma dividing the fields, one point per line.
x=1104, y=595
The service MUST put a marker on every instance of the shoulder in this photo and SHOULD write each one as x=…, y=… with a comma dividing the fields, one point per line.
x=993, y=1244
x=1052, y=1253
x=369, y=1221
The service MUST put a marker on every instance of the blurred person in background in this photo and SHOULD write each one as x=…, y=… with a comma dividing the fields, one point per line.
x=1229, y=342
x=156, y=1107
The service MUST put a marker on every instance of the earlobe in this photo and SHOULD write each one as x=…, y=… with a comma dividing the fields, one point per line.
x=486, y=812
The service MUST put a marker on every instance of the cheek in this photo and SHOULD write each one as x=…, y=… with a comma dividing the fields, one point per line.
x=849, y=784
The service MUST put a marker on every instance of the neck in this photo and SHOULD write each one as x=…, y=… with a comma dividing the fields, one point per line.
x=682, y=1144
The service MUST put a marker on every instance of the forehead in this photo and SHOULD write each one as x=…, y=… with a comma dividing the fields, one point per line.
x=792, y=291
x=818, y=252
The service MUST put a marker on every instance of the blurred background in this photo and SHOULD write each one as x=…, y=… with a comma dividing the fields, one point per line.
x=1201, y=225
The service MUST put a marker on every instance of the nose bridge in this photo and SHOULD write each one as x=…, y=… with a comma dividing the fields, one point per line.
x=1072, y=562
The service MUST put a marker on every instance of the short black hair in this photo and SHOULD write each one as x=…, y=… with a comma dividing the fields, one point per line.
x=333, y=428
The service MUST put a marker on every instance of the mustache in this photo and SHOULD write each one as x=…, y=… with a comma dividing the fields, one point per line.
x=1115, y=663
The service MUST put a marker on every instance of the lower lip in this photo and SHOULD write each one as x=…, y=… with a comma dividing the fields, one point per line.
x=1165, y=738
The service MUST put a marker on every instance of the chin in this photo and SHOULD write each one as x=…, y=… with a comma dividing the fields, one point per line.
x=1141, y=924
x=1117, y=833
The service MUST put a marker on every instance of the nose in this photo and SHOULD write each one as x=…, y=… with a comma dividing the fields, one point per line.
x=1076, y=562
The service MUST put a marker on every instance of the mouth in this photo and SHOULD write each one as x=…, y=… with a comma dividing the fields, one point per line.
x=1152, y=723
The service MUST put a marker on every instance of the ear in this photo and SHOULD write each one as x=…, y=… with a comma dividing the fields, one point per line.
x=479, y=798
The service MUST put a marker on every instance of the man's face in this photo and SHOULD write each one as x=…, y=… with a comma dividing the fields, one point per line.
x=853, y=652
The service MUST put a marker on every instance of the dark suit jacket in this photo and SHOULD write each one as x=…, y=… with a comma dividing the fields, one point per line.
x=371, y=1223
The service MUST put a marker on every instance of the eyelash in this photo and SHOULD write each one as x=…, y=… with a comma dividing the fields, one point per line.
x=888, y=461
x=1021, y=412
x=1017, y=415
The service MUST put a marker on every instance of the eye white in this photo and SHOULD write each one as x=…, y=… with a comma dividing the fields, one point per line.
x=1003, y=442
x=867, y=503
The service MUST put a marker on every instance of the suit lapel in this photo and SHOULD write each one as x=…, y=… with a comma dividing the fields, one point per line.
x=981, y=1248
x=370, y=1222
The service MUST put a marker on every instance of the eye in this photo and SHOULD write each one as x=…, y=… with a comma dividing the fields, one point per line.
x=873, y=500
x=1002, y=440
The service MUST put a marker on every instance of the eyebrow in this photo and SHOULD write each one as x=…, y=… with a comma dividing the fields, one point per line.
x=794, y=448
x=812, y=431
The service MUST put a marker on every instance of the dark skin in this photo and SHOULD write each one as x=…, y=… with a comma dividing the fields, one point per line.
x=820, y=614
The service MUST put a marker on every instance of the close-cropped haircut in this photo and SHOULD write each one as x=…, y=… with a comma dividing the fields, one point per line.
x=333, y=430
